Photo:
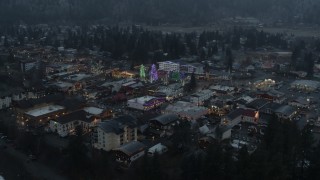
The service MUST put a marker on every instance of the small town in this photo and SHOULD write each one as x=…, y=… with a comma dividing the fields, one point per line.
x=102, y=102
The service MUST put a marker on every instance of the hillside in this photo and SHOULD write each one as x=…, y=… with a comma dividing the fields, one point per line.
x=157, y=11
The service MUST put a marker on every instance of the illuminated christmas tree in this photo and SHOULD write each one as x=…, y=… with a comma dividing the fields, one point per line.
x=153, y=73
x=142, y=72
x=175, y=76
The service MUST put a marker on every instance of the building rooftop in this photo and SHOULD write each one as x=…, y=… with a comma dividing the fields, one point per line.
x=44, y=110
x=221, y=88
x=132, y=148
x=258, y=103
x=286, y=109
x=63, y=85
x=166, y=118
x=93, y=110
x=142, y=100
x=186, y=107
x=78, y=77
x=307, y=83
x=236, y=113
x=202, y=93
x=116, y=125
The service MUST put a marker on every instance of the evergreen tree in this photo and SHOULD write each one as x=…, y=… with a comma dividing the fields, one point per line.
x=313, y=171
x=193, y=82
x=229, y=59
x=294, y=57
x=310, y=64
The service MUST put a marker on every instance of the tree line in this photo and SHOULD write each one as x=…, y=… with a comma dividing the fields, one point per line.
x=157, y=12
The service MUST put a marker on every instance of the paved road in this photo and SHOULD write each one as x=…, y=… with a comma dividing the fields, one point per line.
x=36, y=169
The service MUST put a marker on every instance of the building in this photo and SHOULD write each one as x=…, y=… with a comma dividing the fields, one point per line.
x=272, y=95
x=270, y=108
x=195, y=68
x=158, y=148
x=5, y=102
x=27, y=65
x=240, y=115
x=145, y=103
x=257, y=104
x=181, y=66
x=63, y=86
x=264, y=84
x=300, y=102
x=219, y=89
x=201, y=96
x=250, y=116
x=305, y=85
x=111, y=134
x=186, y=110
x=220, y=133
x=40, y=115
x=163, y=125
x=171, y=91
x=67, y=124
x=233, y=118
x=169, y=66
x=129, y=152
x=286, y=112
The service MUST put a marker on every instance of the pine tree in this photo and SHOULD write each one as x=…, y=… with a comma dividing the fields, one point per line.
x=229, y=59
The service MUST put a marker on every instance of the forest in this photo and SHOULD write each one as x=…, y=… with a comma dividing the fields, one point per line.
x=157, y=12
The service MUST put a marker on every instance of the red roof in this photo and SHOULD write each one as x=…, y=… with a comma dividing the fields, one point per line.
x=249, y=113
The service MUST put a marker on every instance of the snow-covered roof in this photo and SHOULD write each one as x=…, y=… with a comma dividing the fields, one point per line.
x=93, y=110
x=44, y=110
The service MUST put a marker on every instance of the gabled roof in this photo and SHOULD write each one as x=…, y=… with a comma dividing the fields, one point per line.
x=166, y=118
x=116, y=125
x=258, y=103
x=301, y=100
x=286, y=110
x=273, y=106
x=132, y=148
x=249, y=113
x=236, y=113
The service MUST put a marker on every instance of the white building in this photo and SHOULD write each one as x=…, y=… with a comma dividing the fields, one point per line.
x=66, y=124
x=195, y=68
x=158, y=148
x=169, y=66
x=111, y=134
x=221, y=88
x=181, y=66
x=5, y=102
